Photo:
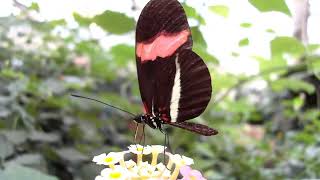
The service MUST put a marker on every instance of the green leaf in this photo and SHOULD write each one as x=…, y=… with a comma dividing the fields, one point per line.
x=293, y=85
x=192, y=13
x=313, y=47
x=114, y=22
x=6, y=148
x=101, y=65
x=14, y=171
x=58, y=22
x=246, y=25
x=10, y=74
x=269, y=30
x=268, y=66
x=200, y=46
x=223, y=81
x=240, y=106
x=243, y=42
x=297, y=102
x=311, y=114
x=34, y=6
x=81, y=20
x=314, y=65
x=203, y=53
x=271, y=5
x=220, y=10
x=305, y=137
x=235, y=54
x=290, y=45
x=122, y=54
x=197, y=37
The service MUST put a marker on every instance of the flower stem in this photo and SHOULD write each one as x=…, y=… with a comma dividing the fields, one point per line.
x=111, y=166
x=139, y=159
x=154, y=158
x=122, y=163
x=169, y=165
x=175, y=173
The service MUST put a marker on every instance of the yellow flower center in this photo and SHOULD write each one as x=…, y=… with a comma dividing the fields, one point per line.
x=115, y=175
x=140, y=149
x=108, y=159
x=193, y=178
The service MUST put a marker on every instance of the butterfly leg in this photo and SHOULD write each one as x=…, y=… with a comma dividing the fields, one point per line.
x=144, y=138
x=166, y=139
x=135, y=134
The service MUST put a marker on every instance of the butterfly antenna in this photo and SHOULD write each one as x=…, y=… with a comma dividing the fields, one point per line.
x=83, y=97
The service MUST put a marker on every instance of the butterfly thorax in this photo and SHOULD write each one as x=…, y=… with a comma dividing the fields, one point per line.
x=153, y=121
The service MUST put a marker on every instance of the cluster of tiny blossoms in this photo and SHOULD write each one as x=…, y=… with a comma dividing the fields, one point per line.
x=120, y=169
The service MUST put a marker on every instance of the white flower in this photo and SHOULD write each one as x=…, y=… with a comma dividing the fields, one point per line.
x=187, y=161
x=130, y=164
x=118, y=173
x=161, y=167
x=123, y=169
x=181, y=160
x=146, y=170
x=162, y=171
x=109, y=159
x=99, y=178
x=176, y=158
x=157, y=148
x=138, y=149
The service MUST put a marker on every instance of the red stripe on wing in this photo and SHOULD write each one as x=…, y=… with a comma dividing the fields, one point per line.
x=163, y=45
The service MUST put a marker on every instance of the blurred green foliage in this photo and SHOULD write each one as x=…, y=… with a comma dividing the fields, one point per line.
x=267, y=134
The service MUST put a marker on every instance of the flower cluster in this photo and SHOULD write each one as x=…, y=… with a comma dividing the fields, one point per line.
x=120, y=169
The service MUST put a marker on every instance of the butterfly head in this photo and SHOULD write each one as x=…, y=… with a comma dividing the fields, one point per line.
x=140, y=119
x=152, y=121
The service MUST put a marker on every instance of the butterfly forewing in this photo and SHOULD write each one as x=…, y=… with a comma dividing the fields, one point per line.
x=174, y=81
x=156, y=80
x=161, y=16
x=162, y=24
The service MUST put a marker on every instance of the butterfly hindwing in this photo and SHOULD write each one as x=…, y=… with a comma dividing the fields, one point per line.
x=195, y=86
x=197, y=128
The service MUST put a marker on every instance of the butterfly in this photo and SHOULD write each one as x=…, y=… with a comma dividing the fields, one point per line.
x=174, y=82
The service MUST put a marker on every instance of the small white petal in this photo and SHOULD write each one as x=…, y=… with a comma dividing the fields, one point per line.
x=158, y=148
x=166, y=173
x=129, y=164
x=160, y=166
x=138, y=149
x=98, y=158
x=176, y=158
x=187, y=161
x=111, y=158
x=118, y=173
x=99, y=178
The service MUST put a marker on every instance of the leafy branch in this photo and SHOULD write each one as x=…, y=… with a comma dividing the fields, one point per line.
x=298, y=67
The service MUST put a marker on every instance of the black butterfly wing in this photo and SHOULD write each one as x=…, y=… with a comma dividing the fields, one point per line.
x=197, y=128
x=174, y=81
x=159, y=18
x=195, y=86
x=156, y=80
x=162, y=16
